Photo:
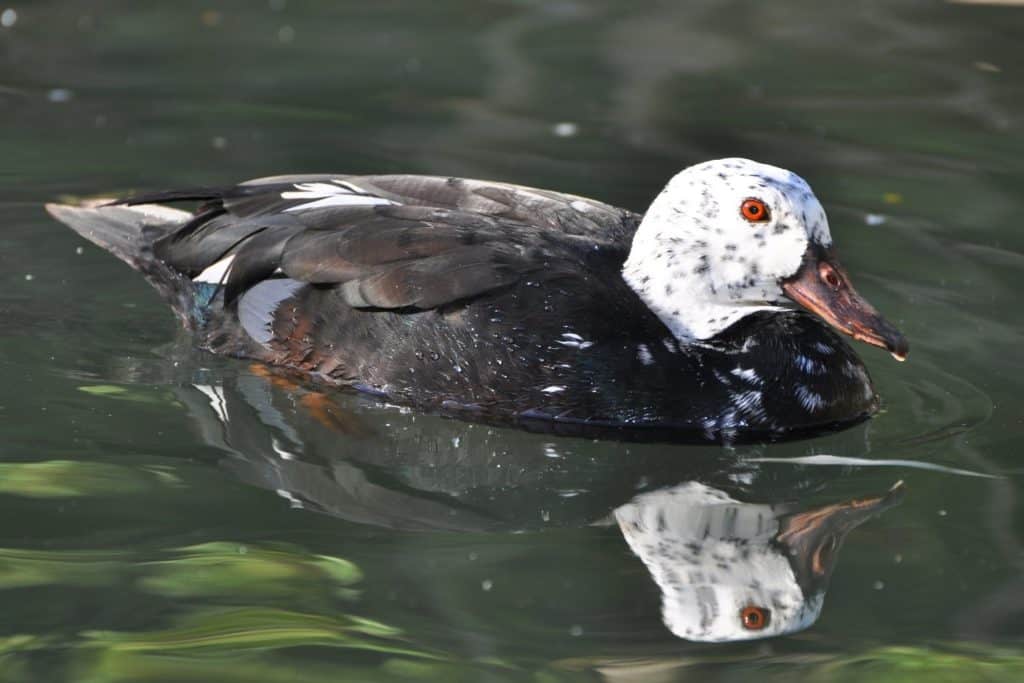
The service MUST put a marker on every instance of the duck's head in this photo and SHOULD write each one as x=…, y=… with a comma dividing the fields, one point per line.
x=729, y=570
x=730, y=237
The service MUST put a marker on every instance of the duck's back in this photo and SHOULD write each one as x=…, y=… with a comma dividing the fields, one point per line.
x=378, y=244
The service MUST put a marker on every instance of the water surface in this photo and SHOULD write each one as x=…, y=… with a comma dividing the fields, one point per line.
x=175, y=516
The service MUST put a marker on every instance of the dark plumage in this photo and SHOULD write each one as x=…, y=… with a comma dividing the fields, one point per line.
x=487, y=300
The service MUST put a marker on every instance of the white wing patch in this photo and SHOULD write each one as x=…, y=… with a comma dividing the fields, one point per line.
x=257, y=306
x=217, y=273
x=335, y=193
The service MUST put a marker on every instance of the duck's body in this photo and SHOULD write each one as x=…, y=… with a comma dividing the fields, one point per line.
x=483, y=298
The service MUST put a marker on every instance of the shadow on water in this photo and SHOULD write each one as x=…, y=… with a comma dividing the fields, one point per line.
x=728, y=570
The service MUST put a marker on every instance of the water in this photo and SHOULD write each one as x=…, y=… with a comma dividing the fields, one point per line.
x=147, y=540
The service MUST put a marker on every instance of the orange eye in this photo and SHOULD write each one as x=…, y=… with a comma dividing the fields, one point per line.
x=755, y=618
x=754, y=210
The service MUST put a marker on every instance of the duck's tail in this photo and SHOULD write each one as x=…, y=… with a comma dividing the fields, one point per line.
x=129, y=233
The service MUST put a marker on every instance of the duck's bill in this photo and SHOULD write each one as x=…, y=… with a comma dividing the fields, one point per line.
x=823, y=287
x=812, y=539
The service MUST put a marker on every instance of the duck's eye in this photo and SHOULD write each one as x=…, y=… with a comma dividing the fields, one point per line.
x=754, y=210
x=755, y=618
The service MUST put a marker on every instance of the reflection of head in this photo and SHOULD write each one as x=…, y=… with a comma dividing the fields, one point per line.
x=735, y=571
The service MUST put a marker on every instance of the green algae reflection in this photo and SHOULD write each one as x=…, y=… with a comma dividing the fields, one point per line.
x=257, y=628
x=223, y=568
x=22, y=568
x=70, y=479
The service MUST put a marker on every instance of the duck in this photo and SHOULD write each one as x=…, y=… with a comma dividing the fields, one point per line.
x=716, y=315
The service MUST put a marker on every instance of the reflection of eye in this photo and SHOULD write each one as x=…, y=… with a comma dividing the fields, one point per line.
x=755, y=618
x=754, y=210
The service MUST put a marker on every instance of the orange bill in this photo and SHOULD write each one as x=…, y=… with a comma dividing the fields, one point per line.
x=823, y=288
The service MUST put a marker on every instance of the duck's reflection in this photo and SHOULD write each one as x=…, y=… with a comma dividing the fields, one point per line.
x=727, y=570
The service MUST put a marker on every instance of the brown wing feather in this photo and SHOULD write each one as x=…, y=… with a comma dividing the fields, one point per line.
x=425, y=242
x=546, y=209
x=432, y=282
x=336, y=255
x=411, y=257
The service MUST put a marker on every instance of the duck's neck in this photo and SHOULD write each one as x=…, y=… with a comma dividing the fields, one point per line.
x=669, y=272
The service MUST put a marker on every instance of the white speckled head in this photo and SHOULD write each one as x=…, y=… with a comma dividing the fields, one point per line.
x=701, y=263
x=713, y=557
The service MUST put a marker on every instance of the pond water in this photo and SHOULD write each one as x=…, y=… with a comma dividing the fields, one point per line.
x=170, y=516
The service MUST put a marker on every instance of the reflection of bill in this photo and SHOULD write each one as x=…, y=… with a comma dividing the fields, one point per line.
x=735, y=571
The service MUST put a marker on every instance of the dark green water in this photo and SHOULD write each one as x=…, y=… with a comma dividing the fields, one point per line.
x=164, y=511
